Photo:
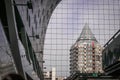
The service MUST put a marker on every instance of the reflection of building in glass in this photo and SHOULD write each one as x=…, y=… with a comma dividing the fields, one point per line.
x=85, y=54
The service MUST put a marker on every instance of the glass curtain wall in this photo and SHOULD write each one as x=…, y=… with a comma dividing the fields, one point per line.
x=65, y=26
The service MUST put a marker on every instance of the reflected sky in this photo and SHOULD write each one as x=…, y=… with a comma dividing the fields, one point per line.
x=66, y=23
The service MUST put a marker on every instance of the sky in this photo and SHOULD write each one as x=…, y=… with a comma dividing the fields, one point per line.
x=66, y=23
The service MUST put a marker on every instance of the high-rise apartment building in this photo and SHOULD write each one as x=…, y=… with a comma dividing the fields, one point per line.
x=85, y=54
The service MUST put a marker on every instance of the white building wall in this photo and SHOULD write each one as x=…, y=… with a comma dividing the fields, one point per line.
x=53, y=73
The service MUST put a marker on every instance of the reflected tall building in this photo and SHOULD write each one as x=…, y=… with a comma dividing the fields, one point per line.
x=85, y=54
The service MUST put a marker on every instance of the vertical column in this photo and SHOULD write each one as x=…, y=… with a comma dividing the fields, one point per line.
x=93, y=59
x=14, y=39
x=85, y=58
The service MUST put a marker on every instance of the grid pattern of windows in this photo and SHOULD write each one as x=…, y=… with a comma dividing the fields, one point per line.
x=66, y=23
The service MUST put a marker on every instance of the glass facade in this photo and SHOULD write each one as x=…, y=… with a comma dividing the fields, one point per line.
x=66, y=23
x=57, y=37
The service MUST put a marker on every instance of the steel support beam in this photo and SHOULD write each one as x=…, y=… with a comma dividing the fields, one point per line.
x=13, y=35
